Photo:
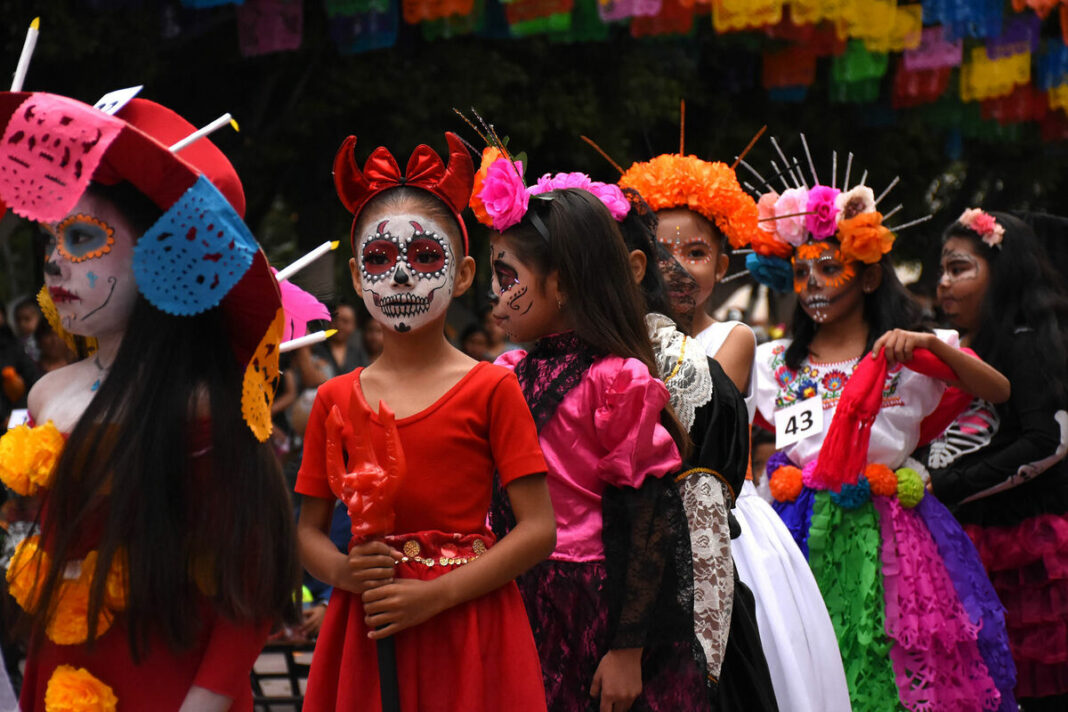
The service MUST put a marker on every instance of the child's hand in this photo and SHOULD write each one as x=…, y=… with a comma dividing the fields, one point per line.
x=367, y=566
x=899, y=345
x=402, y=604
x=618, y=680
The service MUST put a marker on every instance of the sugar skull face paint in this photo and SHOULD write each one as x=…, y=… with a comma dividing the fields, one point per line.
x=89, y=267
x=696, y=245
x=406, y=269
x=963, y=279
x=82, y=237
x=825, y=281
x=521, y=306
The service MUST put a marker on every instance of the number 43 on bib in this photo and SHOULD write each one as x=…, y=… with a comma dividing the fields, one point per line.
x=799, y=421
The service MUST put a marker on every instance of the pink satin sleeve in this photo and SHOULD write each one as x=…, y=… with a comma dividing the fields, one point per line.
x=627, y=426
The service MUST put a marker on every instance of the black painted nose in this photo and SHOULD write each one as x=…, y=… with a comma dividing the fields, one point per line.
x=400, y=276
x=493, y=297
x=51, y=268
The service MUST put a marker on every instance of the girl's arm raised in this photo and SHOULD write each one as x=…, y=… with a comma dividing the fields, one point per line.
x=408, y=602
x=973, y=375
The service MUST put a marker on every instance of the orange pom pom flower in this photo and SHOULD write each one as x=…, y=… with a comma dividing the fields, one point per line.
x=882, y=479
x=786, y=483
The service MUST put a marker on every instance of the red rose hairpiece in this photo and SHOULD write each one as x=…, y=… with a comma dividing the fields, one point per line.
x=451, y=184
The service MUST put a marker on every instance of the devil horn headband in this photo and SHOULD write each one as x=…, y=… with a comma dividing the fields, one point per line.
x=425, y=170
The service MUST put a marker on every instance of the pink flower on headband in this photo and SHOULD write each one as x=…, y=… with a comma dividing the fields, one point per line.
x=504, y=194
x=791, y=202
x=612, y=197
x=983, y=224
x=821, y=220
x=607, y=193
x=766, y=211
x=560, y=181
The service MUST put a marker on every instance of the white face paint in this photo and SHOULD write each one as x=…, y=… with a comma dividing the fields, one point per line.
x=407, y=270
x=89, y=268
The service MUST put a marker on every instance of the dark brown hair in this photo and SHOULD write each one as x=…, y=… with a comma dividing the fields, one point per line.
x=586, y=250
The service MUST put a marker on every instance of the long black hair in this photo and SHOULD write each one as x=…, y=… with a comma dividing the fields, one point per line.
x=162, y=472
x=638, y=229
x=586, y=250
x=889, y=306
x=1024, y=292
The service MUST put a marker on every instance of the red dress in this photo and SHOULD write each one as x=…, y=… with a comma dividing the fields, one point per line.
x=478, y=656
x=219, y=660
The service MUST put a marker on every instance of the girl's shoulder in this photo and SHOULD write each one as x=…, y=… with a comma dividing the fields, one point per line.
x=509, y=359
x=770, y=353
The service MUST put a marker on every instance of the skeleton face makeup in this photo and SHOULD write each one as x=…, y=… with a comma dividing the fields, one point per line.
x=406, y=269
x=694, y=243
x=521, y=305
x=682, y=288
x=89, y=268
x=825, y=282
x=964, y=276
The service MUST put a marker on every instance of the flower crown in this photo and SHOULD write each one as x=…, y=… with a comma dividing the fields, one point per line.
x=501, y=198
x=984, y=225
x=708, y=188
x=802, y=214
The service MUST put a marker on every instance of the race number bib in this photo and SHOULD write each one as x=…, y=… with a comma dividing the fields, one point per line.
x=799, y=421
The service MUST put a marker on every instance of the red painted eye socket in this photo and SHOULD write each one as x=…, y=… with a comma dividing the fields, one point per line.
x=379, y=256
x=426, y=255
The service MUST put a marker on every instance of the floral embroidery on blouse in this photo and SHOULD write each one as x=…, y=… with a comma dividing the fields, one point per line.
x=826, y=380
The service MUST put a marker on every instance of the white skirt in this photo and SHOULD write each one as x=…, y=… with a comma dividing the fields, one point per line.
x=795, y=629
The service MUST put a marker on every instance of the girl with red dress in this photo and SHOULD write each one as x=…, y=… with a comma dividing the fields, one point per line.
x=165, y=550
x=423, y=570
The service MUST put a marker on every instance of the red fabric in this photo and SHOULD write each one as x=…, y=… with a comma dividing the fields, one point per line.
x=1028, y=565
x=452, y=448
x=954, y=402
x=845, y=449
x=220, y=661
x=475, y=657
x=425, y=170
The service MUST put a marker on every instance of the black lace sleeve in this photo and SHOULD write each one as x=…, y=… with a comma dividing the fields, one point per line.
x=721, y=433
x=648, y=565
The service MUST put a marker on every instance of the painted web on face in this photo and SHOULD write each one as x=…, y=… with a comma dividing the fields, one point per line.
x=188, y=261
x=48, y=153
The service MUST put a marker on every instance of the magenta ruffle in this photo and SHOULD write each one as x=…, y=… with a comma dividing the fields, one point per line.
x=1028, y=565
x=935, y=653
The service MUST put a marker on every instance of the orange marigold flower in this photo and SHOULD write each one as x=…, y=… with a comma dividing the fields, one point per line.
x=116, y=585
x=47, y=445
x=768, y=244
x=882, y=479
x=73, y=689
x=70, y=621
x=27, y=569
x=709, y=189
x=864, y=238
x=489, y=155
x=786, y=483
x=16, y=448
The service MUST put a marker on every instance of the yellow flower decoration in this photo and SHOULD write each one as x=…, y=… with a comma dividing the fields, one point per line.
x=16, y=448
x=51, y=315
x=117, y=581
x=47, y=443
x=709, y=189
x=73, y=689
x=28, y=567
x=70, y=621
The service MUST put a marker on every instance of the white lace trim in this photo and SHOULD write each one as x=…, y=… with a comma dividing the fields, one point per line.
x=706, y=501
x=683, y=367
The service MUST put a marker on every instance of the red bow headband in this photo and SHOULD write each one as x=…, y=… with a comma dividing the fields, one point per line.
x=425, y=170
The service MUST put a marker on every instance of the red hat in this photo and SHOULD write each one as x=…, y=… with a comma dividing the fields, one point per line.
x=452, y=185
x=53, y=146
